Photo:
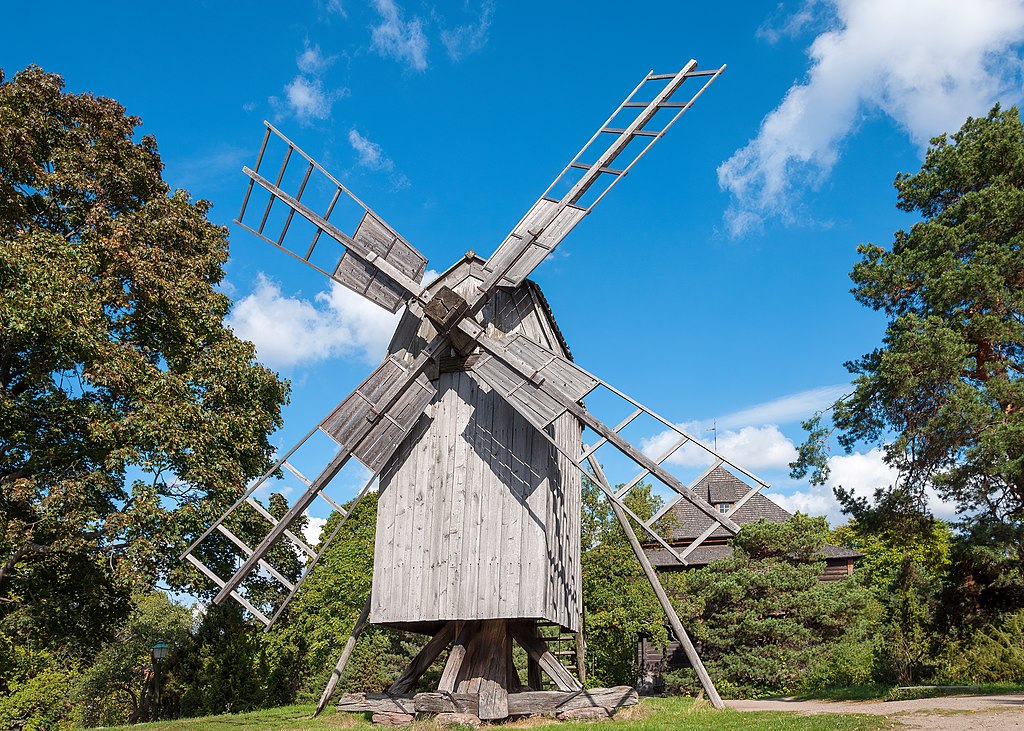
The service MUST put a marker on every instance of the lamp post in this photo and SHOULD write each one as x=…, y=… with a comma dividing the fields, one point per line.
x=158, y=652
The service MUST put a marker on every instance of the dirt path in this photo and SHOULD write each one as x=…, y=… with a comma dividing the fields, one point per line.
x=1002, y=712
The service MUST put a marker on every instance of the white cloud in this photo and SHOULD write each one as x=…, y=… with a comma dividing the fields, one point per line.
x=289, y=331
x=313, y=530
x=397, y=38
x=750, y=436
x=371, y=155
x=751, y=447
x=307, y=100
x=787, y=25
x=312, y=60
x=467, y=39
x=787, y=409
x=306, y=97
x=926, y=64
x=336, y=7
x=860, y=472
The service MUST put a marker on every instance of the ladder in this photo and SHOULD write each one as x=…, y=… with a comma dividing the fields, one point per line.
x=564, y=645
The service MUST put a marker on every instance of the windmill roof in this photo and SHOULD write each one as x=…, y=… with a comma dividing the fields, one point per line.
x=475, y=265
x=551, y=316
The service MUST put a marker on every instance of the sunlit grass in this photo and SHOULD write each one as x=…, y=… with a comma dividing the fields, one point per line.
x=653, y=714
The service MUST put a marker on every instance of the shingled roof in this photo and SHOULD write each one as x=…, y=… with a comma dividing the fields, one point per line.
x=721, y=486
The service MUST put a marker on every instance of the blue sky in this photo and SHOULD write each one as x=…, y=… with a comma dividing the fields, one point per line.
x=712, y=284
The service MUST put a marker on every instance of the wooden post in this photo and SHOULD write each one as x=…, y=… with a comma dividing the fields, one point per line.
x=455, y=657
x=346, y=654
x=666, y=605
x=581, y=656
x=534, y=679
x=424, y=660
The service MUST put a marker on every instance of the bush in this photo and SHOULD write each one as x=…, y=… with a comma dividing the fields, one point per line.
x=990, y=655
x=39, y=703
x=764, y=622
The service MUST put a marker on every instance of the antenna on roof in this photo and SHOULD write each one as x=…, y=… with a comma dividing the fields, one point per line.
x=714, y=428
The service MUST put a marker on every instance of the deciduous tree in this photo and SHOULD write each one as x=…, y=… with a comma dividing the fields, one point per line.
x=129, y=413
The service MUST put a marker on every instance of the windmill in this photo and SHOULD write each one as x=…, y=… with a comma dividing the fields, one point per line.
x=473, y=428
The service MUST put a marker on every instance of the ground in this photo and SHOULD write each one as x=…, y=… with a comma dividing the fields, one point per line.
x=995, y=712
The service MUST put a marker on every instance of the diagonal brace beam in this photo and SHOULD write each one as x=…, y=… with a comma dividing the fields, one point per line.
x=666, y=604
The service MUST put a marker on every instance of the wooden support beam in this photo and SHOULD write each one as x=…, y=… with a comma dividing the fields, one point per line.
x=346, y=654
x=519, y=704
x=538, y=650
x=533, y=677
x=659, y=591
x=581, y=657
x=423, y=660
x=455, y=658
x=495, y=645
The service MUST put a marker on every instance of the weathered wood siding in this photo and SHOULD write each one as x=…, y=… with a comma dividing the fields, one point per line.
x=479, y=517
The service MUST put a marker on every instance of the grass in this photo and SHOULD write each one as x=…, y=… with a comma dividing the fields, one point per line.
x=653, y=714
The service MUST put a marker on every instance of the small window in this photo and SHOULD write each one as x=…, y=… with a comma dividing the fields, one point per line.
x=724, y=507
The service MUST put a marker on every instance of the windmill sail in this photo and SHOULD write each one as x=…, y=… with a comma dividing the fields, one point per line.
x=375, y=261
x=515, y=367
x=556, y=213
x=370, y=424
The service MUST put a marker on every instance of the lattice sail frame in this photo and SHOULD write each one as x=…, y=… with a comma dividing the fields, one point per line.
x=376, y=263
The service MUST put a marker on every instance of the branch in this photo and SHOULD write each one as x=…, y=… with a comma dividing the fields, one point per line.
x=8, y=568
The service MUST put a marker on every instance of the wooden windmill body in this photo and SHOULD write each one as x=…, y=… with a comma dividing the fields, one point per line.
x=478, y=515
x=473, y=426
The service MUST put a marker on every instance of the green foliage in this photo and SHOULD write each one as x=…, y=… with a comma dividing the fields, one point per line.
x=905, y=571
x=118, y=686
x=992, y=654
x=129, y=413
x=39, y=702
x=764, y=621
x=619, y=604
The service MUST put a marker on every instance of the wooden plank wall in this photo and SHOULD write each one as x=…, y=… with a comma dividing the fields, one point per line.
x=480, y=517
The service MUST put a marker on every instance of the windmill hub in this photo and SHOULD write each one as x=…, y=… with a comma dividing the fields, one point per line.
x=445, y=309
x=473, y=427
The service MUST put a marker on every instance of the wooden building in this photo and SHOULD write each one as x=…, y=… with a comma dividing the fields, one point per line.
x=479, y=516
x=722, y=489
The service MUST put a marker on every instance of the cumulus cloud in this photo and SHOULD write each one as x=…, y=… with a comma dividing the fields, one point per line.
x=750, y=436
x=307, y=100
x=467, y=39
x=860, y=472
x=926, y=64
x=314, y=530
x=371, y=155
x=313, y=61
x=397, y=38
x=289, y=331
x=752, y=447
